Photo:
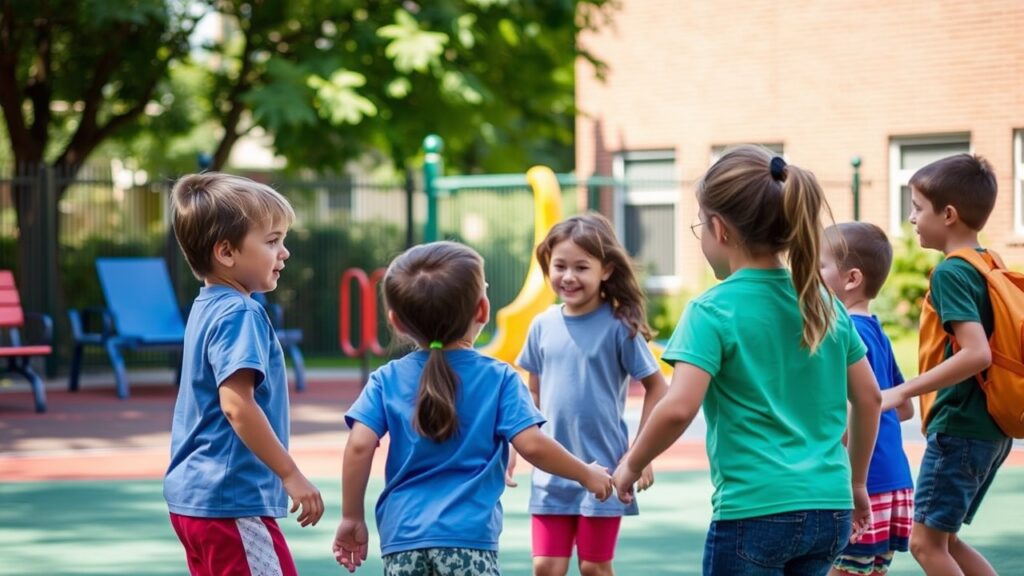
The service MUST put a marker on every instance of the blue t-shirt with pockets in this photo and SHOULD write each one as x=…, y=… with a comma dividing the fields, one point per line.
x=889, y=468
x=447, y=494
x=585, y=364
x=212, y=473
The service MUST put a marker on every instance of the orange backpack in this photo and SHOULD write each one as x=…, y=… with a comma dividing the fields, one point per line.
x=1004, y=387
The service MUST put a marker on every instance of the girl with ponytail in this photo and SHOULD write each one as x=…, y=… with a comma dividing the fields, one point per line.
x=773, y=358
x=450, y=414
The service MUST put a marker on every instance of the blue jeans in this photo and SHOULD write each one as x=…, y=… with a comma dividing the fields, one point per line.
x=955, y=475
x=800, y=543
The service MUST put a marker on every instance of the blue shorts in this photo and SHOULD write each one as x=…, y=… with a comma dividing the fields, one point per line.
x=955, y=475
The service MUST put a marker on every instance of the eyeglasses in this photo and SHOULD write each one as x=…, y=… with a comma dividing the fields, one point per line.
x=695, y=228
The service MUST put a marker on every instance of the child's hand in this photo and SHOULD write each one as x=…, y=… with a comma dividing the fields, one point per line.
x=646, y=478
x=306, y=496
x=624, y=479
x=861, y=512
x=892, y=398
x=350, y=543
x=510, y=469
x=598, y=481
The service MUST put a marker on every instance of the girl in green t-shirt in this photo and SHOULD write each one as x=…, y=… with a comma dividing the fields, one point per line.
x=773, y=358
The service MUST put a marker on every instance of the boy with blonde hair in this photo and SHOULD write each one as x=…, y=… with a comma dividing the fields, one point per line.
x=951, y=200
x=230, y=474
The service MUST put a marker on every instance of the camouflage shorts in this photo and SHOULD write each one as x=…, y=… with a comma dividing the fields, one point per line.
x=442, y=562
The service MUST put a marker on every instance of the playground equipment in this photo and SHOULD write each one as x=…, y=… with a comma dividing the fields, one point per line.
x=368, y=341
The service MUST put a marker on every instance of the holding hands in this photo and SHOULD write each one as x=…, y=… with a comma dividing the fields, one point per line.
x=597, y=481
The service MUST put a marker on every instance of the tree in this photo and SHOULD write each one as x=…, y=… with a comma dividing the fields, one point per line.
x=328, y=80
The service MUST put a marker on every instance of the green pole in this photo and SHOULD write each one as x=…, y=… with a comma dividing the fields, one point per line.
x=433, y=167
x=855, y=185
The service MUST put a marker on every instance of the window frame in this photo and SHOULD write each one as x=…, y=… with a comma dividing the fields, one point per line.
x=899, y=177
x=1018, y=181
x=665, y=282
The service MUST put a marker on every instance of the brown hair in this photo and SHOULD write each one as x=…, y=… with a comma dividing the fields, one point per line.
x=209, y=207
x=434, y=290
x=775, y=213
x=594, y=234
x=965, y=182
x=863, y=246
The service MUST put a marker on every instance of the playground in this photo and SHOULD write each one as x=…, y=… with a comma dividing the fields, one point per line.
x=81, y=489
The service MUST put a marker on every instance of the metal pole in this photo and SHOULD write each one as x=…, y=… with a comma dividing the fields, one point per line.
x=433, y=167
x=410, y=191
x=855, y=185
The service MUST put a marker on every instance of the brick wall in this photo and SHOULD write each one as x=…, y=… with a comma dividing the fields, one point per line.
x=828, y=79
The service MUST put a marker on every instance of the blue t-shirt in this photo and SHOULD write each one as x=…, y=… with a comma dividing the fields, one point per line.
x=889, y=467
x=212, y=473
x=444, y=495
x=584, y=364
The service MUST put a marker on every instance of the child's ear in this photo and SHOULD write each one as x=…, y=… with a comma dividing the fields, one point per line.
x=483, y=311
x=949, y=215
x=854, y=279
x=606, y=271
x=224, y=254
x=396, y=323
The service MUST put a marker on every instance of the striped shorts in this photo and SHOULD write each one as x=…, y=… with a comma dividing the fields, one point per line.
x=892, y=515
x=244, y=546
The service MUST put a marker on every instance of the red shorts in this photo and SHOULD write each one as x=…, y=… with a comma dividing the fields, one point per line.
x=594, y=536
x=219, y=546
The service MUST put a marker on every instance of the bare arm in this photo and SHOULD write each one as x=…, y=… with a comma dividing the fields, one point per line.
x=669, y=419
x=654, y=390
x=865, y=402
x=973, y=357
x=238, y=403
x=544, y=453
x=351, y=540
x=905, y=411
x=534, y=386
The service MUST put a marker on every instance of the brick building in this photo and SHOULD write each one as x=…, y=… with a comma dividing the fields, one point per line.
x=897, y=83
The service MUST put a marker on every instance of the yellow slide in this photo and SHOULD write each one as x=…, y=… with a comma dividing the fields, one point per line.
x=513, y=321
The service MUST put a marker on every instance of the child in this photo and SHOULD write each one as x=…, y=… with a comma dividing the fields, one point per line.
x=450, y=413
x=950, y=201
x=774, y=359
x=230, y=473
x=855, y=262
x=581, y=356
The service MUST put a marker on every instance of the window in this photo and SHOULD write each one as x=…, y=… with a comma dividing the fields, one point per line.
x=720, y=150
x=908, y=155
x=646, y=213
x=1018, y=181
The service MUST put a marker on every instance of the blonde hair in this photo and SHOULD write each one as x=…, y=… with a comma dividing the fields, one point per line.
x=775, y=208
x=210, y=207
x=594, y=234
x=434, y=291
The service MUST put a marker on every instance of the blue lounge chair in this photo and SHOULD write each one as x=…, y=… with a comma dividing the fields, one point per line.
x=142, y=312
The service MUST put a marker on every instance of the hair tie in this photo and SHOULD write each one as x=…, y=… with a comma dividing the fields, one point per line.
x=436, y=345
x=778, y=168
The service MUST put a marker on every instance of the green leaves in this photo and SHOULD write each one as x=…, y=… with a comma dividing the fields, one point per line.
x=411, y=48
x=337, y=99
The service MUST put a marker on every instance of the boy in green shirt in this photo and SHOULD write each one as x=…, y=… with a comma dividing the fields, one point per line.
x=950, y=201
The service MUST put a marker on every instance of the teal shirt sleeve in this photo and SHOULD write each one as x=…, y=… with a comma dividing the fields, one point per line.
x=697, y=339
x=957, y=293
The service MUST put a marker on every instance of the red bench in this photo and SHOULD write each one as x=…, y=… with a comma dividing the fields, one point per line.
x=19, y=356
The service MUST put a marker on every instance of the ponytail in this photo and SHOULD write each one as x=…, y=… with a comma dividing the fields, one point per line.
x=436, y=417
x=802, y=201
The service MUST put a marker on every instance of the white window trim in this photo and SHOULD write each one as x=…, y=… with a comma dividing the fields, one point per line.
x=899, y=177
x=1018, y=181
x=662, y=283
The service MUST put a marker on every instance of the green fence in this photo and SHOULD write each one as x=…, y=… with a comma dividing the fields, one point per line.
x=342, y=222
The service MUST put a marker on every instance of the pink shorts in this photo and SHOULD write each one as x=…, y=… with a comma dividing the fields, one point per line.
x=216, y=546
x=594, y=536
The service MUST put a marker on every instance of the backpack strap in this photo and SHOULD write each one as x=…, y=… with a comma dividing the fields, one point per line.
x=985, y=262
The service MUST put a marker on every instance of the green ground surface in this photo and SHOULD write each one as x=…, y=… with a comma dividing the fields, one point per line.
x=59, y=528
